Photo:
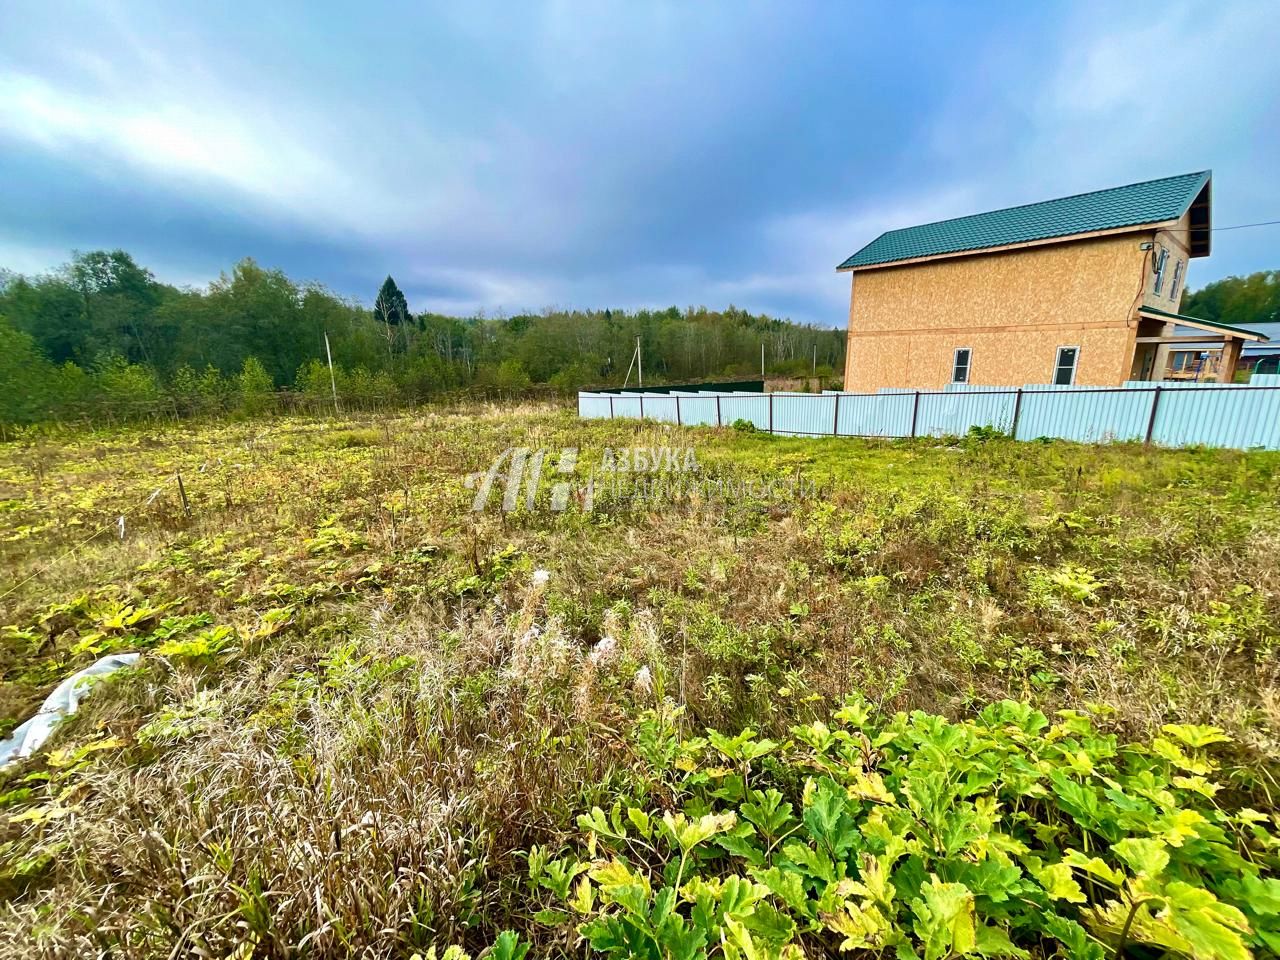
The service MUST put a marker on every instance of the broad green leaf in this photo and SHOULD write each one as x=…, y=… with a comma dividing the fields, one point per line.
x=788, y=887
x=812, y=862
x=1170, y=751
x=1194, y=735
x=1213, y=928
x=508, y=947
x=995, y=942
x=688, y=834
x=1145, y=857
x=641, y=821
x=738, y=895
x=1080, y=946
x=944, y=919
x=768, y=812
x=769, y=923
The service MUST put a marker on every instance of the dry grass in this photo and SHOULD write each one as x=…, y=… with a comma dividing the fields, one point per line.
x=361, y=778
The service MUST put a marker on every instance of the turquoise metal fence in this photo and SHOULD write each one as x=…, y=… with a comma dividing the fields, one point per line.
x=1240, y=416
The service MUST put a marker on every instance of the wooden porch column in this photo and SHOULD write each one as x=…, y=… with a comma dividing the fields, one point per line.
x=1230, y=358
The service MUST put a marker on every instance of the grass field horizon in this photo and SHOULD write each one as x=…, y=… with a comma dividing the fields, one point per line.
x=765, y=697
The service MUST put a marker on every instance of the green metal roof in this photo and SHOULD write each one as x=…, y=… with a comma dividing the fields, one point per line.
x=1183, y=318
x=1152, y=201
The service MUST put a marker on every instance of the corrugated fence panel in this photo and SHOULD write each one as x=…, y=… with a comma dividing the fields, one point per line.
x=660, y=407
x=953, y=414
x=1086, y=416
x=697, y=409
x=875, y=414
x=593, y=406
x=804, y=414
x=629, y=405
x=1237, y=415
x=1240, y=418
x=752, y=407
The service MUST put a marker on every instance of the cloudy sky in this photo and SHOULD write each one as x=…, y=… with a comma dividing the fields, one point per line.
x=517, y=156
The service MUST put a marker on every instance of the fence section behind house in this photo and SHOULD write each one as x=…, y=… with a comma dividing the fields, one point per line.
x=1241, y=416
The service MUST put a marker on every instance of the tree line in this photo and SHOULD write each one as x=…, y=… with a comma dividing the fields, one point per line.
x=103, y=337
x=1236, y=300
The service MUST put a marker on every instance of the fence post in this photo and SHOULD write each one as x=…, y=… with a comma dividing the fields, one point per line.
x=1151, y=421
x=642, y=406
x=718, y=423
x=611, y=406
x=678, y=421
x=771, y=413
x=835, y=421
x=1017, y=411
x=915, y=413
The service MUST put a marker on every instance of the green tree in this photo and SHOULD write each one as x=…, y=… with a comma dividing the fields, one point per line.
x=392, y=310
x=512, y=375
x=28, y=382
x=254, y=388
x=1237, y=300
x=127, y=390
x=51, y=311
x=119, y=299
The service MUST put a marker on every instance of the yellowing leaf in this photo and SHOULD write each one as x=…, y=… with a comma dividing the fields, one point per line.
x=944, y=919
x=1194, y=735
x=1094, y=866
x=1059, y=883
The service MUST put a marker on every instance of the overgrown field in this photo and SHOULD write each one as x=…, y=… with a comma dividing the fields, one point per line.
x=956, y=697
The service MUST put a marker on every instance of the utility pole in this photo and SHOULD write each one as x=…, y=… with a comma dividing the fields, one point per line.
x=761, y=359
x=639, y=361
x=815, y=359
x=333, y=383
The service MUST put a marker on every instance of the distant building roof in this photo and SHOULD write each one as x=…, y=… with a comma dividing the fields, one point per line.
x=1243, y=333
x=1152, y=201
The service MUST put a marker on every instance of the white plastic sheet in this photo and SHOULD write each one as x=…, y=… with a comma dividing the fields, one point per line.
x=64, y=701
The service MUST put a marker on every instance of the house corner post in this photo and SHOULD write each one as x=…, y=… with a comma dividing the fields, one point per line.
x=1230, y=360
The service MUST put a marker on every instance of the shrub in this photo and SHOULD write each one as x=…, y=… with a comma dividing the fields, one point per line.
x=933, y=839
x=255, y=387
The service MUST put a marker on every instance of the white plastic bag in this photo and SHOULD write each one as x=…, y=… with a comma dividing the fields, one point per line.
x=64, y=701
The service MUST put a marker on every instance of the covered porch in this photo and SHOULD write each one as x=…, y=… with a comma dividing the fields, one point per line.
x=1172, y=346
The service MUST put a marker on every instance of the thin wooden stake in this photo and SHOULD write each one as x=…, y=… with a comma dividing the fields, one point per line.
x=182, y=492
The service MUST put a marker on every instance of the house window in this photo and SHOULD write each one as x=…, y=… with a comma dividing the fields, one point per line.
x=960, y=365
x=1160, y=262
x=1177, y=276
x=1191, y=364
x=1064, y=367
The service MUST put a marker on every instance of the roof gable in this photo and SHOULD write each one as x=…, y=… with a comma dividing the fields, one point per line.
x=1153, y=201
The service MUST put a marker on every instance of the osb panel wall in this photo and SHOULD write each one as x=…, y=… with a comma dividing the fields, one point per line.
x=1177, y=241
x=1013, y=309
x=1008, y=358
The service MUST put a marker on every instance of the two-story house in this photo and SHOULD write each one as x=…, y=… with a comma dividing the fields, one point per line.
x=1083, y=290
